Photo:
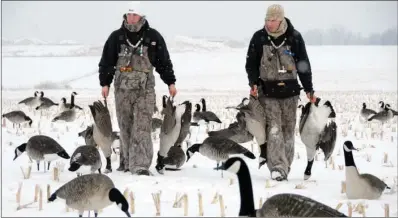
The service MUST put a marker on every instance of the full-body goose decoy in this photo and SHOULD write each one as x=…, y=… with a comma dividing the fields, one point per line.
x=102, y=131
x=316, y=131
x=279, y=205
x=383, y=116
x=360, y=186
x=254, y=115
x=365, y=112
x=236, y=131
x=31, y=102
x=67, y=115
x=394, y=112
x=42, y=148
x=66, y=106
x=176, y=155
x=46, y=103
x=218, y=149
x=85, y=155
x=91, y=192
x=169, y=131
x=17, y=117
x=209, y=114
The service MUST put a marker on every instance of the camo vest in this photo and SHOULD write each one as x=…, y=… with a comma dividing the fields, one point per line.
x=134, y=70
x=277, y=62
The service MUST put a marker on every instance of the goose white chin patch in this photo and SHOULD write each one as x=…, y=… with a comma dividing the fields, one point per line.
x=18, y=152
x=235, y=167
x=119, y=205
x=346, y=148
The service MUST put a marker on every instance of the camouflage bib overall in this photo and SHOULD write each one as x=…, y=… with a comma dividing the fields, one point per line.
x=135, y=100
x=278, y=73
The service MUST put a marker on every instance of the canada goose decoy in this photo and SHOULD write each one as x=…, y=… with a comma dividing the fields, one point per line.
x=42, y=148
x=254, y=115
x=365, y=112
x=236, y=131
x=31, y=102
x=156, y=123
x=316, y=132
x=67, y=115
x=91, y=192
x=218, y=149
x=383, y=116
x=66, y=106
x=169, y=131
x=85, y=155
x=360, y=186
x=381, y=106
x=394, y=112
x=176, y=155
x=17, y=117
x=209, y=114
x=279, y=205
x=46, y=103
x=102, y=131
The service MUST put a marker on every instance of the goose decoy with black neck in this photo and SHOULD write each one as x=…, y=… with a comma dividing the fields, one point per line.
x=17, y=117
x=46, y=103
x=87, y=134
x=176, y=155
x=169, y=131
x=91, y=192
x=279, y=205
x=360, y=186
x=244, y=101
x=394, y=112
x=366, y=112
x=254, y=115
x=236, y=131
x=317, y=131
x=102, y=131
x=42, y=148
x=68, y=115
x=209, y=114
x=383, y=116
x=66, y=106
x=381, y=106
x=85, y=156
x=31, y=102
x=218, y=149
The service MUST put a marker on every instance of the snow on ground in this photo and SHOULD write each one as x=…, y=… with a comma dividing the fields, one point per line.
x=198, y=174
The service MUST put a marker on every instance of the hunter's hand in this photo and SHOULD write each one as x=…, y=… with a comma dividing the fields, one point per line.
x=312, y=98
x=253, y=91
x=172, y=90
x=105, y=91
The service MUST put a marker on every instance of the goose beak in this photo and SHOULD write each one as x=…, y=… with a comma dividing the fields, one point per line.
x=128, y=214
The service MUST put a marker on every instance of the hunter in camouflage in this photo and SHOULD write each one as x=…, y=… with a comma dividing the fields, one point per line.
x=276, y=57
x=130, y=55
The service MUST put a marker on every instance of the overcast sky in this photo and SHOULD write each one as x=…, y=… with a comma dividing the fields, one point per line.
x=92, y=22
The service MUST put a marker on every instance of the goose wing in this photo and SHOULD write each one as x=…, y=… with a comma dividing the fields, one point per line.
x=102, y=118
x=45, y=144
x=374, y=181
x=327, y=140
x=169, y=120
x=304, y=116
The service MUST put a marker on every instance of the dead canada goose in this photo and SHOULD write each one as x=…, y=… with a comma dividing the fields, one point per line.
x=17, y=117
x=102, y=131
x=169, y=131
x=218, y=149
x=31, y=101
x=383, y=116
x=360, y=186
x=317, y=132
x=85, y=156
x=42, y=148
x=236, y=131
x=279, y=205
x=366, y=112
x=91, y=192
x=254, y=115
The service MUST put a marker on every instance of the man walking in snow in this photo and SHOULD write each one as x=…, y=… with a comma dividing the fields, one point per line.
x=275, y=57
x=129, y=56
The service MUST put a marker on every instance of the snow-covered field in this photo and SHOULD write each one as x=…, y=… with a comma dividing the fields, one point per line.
x=343, y=75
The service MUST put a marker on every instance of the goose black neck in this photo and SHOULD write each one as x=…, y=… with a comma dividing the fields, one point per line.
x=203, y=105
x=246, y=191
x=349, y=159
x=72, y=101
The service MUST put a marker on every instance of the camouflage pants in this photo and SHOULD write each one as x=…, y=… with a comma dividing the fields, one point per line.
x=281, y=122
x=134, y=111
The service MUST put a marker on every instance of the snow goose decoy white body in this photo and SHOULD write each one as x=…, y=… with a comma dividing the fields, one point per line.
x=317, y=131
x=91, y=192
x=102, y=131
x=85, y=156
x=42, y=148
x=169, y=131
x=360, y=186
x=279, y=205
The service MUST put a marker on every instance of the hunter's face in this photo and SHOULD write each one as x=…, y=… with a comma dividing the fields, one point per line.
x=272, y=24
x=133, y=18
